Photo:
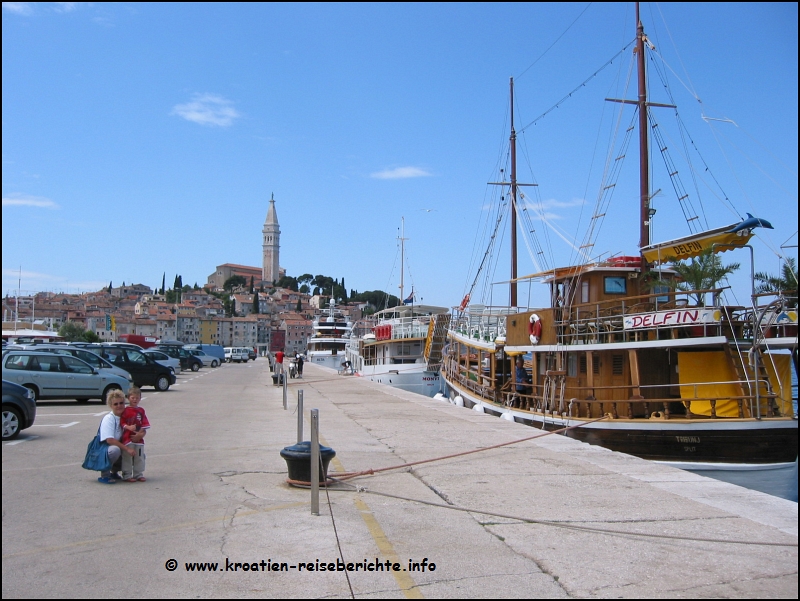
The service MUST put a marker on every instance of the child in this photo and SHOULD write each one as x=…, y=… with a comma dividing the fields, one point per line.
x=134, y=426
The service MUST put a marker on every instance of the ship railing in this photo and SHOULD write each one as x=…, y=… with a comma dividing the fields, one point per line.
x=660, y=397
x=603, y=322
x=654, y=406
x=409, y=327
x=483, y=323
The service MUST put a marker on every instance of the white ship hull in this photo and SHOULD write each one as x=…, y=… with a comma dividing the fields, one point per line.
x=413, y=378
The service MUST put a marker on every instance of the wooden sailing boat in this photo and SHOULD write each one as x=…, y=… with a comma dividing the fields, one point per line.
x=649, y=371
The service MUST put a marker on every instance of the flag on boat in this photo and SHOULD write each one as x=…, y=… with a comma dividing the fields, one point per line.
x=410, y=299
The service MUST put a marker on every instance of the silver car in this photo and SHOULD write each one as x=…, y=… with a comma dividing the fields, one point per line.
x=57, y=376
x=206, y=359
x=164, y=359
x=90, y=357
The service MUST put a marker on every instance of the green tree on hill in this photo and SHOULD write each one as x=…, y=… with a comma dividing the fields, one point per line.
x=235, y=281
x=71, y=331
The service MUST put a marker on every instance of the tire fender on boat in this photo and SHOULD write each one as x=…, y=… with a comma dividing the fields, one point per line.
x=534, y=328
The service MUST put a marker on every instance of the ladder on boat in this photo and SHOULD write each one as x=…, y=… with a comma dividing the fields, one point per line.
x=434, y=342
x=743, y=366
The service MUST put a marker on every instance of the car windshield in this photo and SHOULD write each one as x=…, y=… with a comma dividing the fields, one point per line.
x=90, y=358
x=136, y=357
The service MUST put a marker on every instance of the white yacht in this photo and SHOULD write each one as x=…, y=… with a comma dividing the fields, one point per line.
x=329, y=337
x=401, y=347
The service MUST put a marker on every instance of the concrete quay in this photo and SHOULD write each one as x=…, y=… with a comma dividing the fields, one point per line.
x=549, y=517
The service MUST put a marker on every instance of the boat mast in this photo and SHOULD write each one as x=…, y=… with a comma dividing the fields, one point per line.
x=644, y=167
x=513, y=184
x=402, y=253
x=513, y=142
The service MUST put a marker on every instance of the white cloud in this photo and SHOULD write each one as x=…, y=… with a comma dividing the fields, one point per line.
x=66, y=7
x=400, y=173
x=31, y=282
x=207, y=109
x=18, y=8
x=22, y=200
x=553, y=204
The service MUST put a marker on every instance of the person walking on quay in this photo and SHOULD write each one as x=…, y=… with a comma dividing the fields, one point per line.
x=299, y=359
x=279, y=364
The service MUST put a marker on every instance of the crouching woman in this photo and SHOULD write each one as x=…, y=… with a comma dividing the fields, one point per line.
x=111, y=433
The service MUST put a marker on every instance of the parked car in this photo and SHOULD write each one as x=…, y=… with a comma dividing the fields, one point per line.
x=19, y=409
x=236, y=354
x=214, y=350
x=188, y=361
x=252, y=353
x=206, y=359
x=144, y=370
x=164, y=359
x=83, y=354
x=57, y=376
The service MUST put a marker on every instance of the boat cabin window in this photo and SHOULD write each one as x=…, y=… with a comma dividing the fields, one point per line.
x=661, y=290
x=615, y=284
x=584, y=292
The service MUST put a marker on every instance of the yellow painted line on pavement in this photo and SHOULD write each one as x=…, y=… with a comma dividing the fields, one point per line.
x=118, y=537
x=404, y=581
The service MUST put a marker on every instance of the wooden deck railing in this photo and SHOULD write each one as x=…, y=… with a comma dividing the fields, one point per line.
x=536, y=401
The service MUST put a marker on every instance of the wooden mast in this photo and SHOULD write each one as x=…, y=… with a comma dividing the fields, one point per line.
x=644, y=167
x=513, y=140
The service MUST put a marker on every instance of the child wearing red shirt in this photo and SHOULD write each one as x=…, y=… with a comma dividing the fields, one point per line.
x=134, y=426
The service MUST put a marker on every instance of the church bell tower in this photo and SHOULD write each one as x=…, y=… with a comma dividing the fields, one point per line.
x=271, y=244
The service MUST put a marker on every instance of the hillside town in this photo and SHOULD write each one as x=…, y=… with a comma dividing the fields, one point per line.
x=259, y=313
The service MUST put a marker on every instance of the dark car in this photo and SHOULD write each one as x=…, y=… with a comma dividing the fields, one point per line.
x=144, y=370
x=19, y=409
x=188, y=361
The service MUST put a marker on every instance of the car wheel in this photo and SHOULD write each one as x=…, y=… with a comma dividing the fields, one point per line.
x=195, y=367
x=12, y=422
x=108, y=389
x=35, y=391
x=162, y=383
x=214, y=364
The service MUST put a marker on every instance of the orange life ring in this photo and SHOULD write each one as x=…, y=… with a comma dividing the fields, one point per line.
x=534, y=328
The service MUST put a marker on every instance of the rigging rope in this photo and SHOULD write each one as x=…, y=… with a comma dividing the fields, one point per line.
x=578, y=87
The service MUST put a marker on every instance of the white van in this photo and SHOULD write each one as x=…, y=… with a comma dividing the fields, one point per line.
x=237, y=354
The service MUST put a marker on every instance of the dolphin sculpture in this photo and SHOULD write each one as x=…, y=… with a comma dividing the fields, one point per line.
x=750, y=223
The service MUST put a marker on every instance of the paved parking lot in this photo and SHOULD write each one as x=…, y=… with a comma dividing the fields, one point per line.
x=217, y=519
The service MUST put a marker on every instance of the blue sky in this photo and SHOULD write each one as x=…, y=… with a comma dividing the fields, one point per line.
x=140, y=139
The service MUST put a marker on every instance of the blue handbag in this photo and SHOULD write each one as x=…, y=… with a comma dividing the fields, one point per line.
x=97, y=455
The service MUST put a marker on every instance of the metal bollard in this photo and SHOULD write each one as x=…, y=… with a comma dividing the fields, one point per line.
x=299, y=416
x=283, y=380
x=315, y=462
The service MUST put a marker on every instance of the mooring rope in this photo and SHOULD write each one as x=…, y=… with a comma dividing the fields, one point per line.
x=369, y=472
x=564, y=525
